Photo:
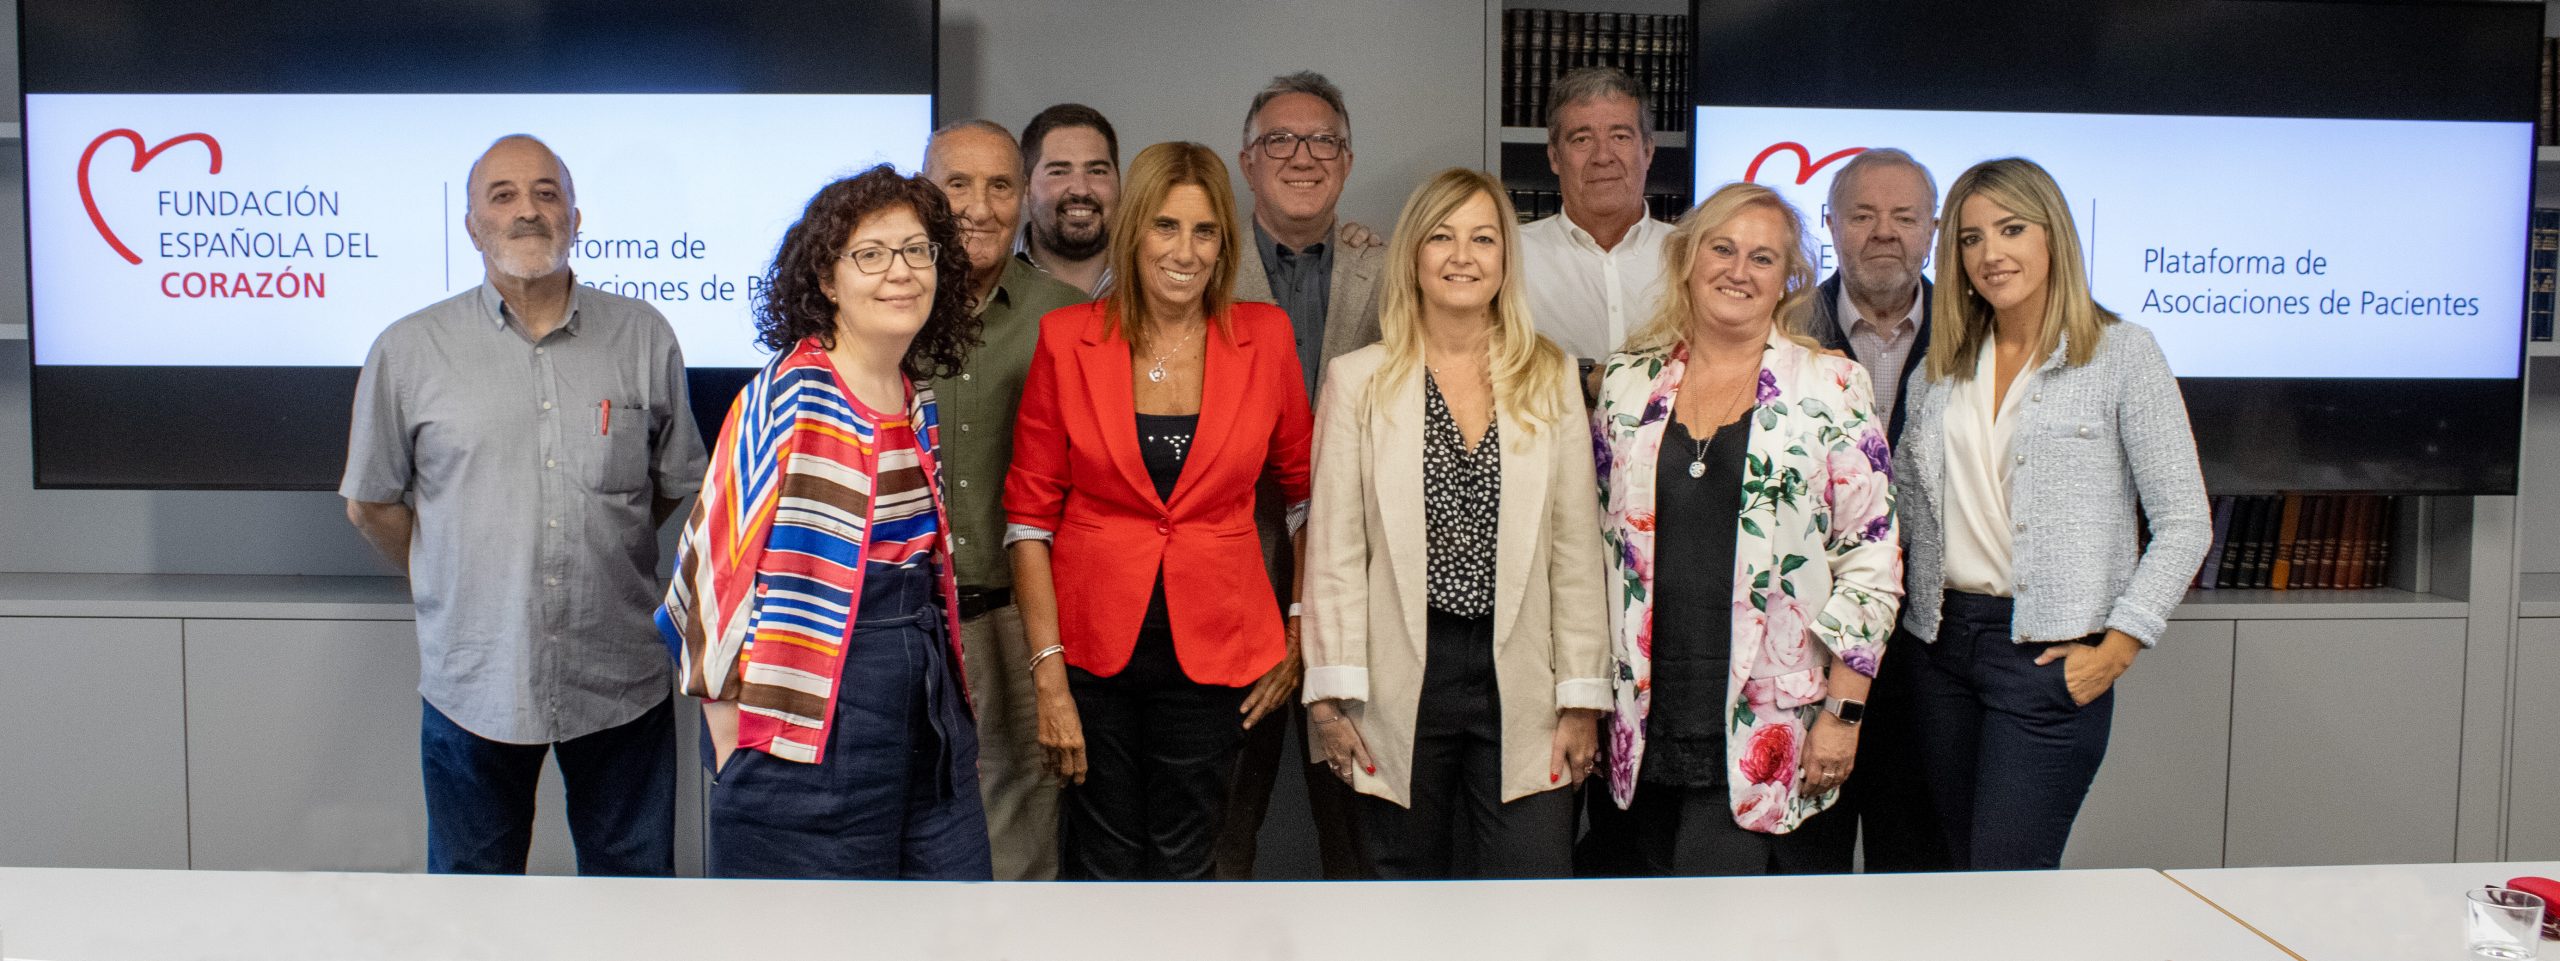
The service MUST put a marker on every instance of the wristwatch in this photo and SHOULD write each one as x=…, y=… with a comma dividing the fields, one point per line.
x=1850, y=712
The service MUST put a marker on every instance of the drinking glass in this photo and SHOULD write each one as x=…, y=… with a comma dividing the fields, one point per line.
x=2504, y=925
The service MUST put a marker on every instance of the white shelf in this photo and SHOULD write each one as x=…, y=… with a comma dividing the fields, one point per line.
x=255, y=597
x=2258, y=604
x=9, y=131
x=1676, y=139
x=2542, y=348
x=2547, y=156
x=13, y=331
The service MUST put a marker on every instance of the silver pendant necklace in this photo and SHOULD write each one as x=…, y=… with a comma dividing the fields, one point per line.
x=1156, y=373
x=1698, y=460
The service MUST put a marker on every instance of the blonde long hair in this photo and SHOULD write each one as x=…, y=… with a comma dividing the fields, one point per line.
x=1962, y=319
x=1526, y=367
x=1670, y=321
x=1151, y=177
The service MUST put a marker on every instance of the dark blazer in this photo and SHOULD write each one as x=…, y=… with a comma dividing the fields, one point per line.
x=1077, y=472
x=1827, y=329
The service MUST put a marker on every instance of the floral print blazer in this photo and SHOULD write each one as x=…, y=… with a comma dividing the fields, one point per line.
x=1816, y=558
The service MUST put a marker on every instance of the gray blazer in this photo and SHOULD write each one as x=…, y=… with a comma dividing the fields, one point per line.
x=1350, y=323
x=2095, y=441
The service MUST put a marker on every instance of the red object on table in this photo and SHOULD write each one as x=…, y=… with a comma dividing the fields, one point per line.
x=2549, y=891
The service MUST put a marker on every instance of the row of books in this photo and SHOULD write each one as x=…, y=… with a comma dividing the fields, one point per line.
x=2545, y=275
x=1539, y=46
x=1540, y=204
x=2300, y=541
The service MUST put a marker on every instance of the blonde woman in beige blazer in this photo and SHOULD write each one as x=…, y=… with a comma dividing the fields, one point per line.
x=1455, y=614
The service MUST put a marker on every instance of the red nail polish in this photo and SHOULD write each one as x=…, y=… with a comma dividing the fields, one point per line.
x=1373, y=769
x=1553, y=777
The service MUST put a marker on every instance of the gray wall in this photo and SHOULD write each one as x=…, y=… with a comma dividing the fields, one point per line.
x=1412, y=72
x=1161, y=70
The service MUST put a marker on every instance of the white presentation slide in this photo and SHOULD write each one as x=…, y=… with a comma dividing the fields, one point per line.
x=2253, y=246
x=289, y=229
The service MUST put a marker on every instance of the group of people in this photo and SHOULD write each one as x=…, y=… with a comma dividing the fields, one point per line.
x=1022, y=554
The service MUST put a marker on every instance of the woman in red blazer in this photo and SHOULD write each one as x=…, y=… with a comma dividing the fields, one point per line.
x=1147, y=419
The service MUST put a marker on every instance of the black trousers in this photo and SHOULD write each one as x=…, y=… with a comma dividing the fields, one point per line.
x=1159, y=749
x=1886, y=794
x=2010, y=755
x=1689, y=832
x=1459, y=826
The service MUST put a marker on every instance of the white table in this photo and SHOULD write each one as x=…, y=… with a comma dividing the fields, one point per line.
x=2396, y=912
x=95, y=915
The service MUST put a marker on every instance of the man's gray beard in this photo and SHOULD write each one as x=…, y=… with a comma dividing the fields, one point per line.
x=1053, y=238
x=513, y=266
x=1859, y=290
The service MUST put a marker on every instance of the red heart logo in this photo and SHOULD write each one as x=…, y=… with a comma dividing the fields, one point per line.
x=1806, y=166
x=141, y=157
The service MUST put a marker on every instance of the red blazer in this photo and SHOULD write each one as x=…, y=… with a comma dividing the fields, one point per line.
x=1077, y=473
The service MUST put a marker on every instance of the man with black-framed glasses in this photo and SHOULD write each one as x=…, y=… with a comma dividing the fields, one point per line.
x=1324, y=273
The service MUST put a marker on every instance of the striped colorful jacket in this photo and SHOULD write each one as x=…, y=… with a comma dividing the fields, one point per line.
x=770, y=564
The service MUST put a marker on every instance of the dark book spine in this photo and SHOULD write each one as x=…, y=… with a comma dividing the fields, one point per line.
x=2545, y=128
x=2235, y=545
x=2270, y=525
x=1542, y=52
x=1683, y=67
x=2324, y=562
x=2379, y=552
x=2212, y=566
x=2544, y=273
x=1510, y=66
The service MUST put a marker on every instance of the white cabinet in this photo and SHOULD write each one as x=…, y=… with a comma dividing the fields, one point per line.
x=2346, y=741
x=95, y=744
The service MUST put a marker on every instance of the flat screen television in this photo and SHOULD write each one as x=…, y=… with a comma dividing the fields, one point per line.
x=226, y=202
x=2320, y=208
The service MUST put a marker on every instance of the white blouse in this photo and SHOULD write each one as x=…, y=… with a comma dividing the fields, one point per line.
x=1979, y=456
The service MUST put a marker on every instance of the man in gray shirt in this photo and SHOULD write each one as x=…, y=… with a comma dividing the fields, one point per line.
x=514, y=449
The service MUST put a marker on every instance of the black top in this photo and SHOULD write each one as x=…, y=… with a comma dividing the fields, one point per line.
x=1461, y=505
x=1164, y=441
x=1694, y=520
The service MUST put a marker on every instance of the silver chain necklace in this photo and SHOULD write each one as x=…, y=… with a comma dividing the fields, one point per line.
x=1156, y=373
x=1698, y=460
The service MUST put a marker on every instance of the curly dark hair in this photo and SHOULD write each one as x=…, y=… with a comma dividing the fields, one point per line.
x=794, y=307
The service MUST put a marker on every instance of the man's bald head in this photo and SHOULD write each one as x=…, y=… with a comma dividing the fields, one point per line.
x=524, y=146
x=521, y=211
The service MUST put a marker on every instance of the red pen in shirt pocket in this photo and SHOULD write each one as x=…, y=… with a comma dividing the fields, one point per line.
x=604, y=418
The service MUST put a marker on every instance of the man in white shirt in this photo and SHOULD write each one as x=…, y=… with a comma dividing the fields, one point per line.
x=1595, y=271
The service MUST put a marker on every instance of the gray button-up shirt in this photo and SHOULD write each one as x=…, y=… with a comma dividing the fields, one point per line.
x=532, y=467
x=1302, y=284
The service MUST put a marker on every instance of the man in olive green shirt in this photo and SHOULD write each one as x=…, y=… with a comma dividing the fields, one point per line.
x=979, y=168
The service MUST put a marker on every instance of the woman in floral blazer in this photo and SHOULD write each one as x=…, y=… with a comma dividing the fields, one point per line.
x=1783, y=440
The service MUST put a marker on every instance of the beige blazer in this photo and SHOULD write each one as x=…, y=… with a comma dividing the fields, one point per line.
x=1351, y=302
x=1368, y=570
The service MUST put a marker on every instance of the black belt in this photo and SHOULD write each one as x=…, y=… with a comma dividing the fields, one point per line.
x=975, y=602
